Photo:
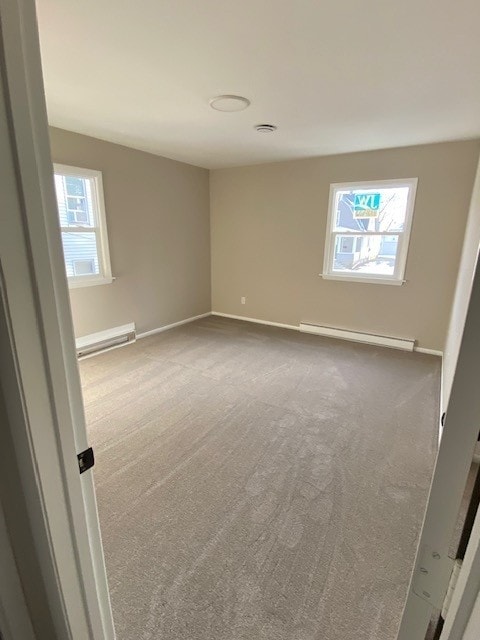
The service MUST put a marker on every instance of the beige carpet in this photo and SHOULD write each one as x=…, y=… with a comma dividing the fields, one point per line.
x=259, y=484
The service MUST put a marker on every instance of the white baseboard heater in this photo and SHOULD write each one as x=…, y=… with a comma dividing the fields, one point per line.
x=105, y=340
x=357, y=336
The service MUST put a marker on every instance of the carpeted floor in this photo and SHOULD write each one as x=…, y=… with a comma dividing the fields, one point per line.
x=256, y=483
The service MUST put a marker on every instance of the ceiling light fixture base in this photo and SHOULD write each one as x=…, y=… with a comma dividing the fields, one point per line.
x=229, y=103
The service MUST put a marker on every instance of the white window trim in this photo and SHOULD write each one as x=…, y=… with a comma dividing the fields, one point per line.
x=404, y=237
x=105, y=275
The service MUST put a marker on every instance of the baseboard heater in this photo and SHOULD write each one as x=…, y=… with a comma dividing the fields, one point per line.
x=357, y=336
x=105, y=340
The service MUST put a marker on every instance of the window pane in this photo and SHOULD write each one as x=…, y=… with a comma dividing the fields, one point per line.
x=76, y=205
x=81, y=253
x=75, y=186
x=77, y=210
x=365, y=254
x=364, y=210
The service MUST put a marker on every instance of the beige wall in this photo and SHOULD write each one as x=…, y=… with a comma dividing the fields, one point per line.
x=158, y=227
x=268, y=234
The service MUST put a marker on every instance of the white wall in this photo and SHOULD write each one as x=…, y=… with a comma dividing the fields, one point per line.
x=463, y=290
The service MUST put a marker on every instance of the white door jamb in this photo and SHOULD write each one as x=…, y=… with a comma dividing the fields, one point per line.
x=454, y=458
x=42, y=373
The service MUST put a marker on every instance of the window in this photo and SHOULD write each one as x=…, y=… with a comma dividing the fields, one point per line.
x=81, y=211
x=368, y=231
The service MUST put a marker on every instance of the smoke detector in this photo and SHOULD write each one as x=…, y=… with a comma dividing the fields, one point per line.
x=265, y=128
x=229, y=103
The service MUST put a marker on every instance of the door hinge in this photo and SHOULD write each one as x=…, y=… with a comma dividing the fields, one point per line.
x=86, y=460
x=432, y=576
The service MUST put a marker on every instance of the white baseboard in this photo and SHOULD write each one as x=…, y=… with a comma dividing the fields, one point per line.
x=433, y=352
x=256, y=321
x=166, y=327
x=430, y=352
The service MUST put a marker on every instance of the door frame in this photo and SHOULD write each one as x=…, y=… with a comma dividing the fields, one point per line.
x=457, y=446
x=45, y=425
x=463, y=615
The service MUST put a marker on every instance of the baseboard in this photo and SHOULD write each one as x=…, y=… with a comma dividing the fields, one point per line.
x=281, y=325
x=256, y=321
x=430, y=352
x=166, y=327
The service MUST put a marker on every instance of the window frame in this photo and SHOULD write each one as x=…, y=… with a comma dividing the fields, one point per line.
x=397, y=278
x=100, y=227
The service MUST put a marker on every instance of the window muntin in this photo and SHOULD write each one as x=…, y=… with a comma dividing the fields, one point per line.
x=368, y=230
x=83, y=226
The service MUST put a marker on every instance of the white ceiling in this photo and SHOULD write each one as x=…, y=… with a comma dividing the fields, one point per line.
x=333, y=75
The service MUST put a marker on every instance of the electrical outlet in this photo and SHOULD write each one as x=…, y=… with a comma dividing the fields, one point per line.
x=243, y=300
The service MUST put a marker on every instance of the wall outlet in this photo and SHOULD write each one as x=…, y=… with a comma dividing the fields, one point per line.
x=243, y=300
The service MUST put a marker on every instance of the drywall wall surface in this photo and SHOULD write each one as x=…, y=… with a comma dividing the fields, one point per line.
x=463, y=290
x=268, y=225
x=159, y=236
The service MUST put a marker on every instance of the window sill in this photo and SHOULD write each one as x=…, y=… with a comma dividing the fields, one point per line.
x=77, y=284
x=327, y=276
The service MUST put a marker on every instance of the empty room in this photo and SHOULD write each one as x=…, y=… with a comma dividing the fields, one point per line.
x=262, y=222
